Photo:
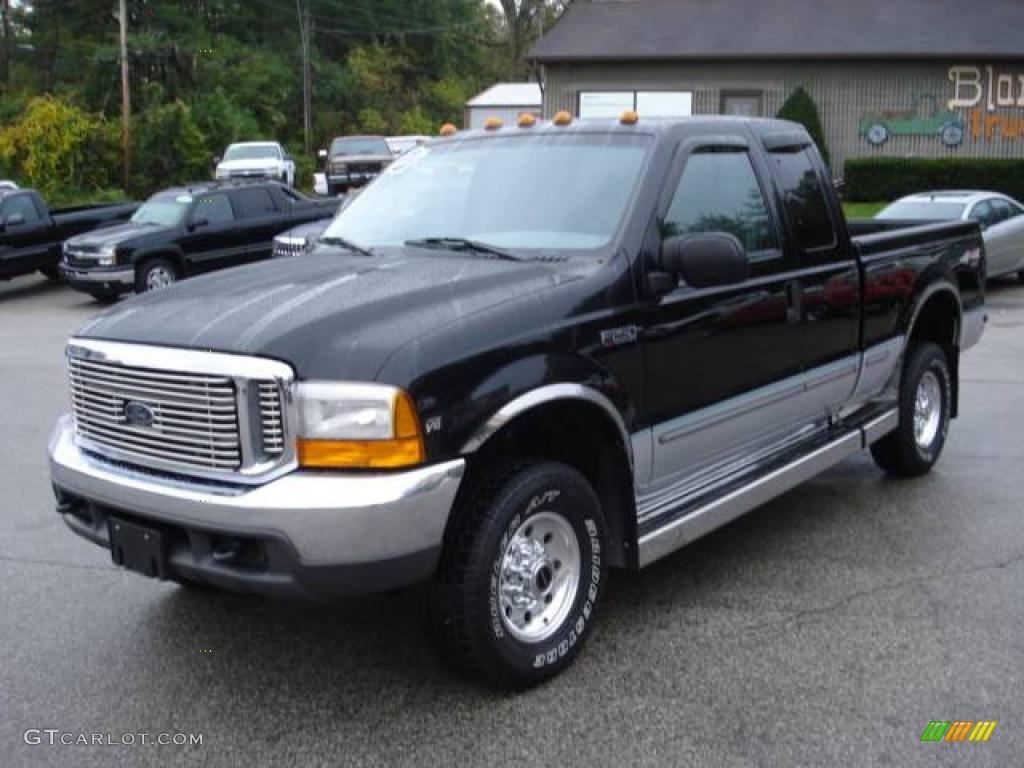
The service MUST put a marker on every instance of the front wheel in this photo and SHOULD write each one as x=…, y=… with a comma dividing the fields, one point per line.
x=155, y=274
x=925, y=404
x=521, y=576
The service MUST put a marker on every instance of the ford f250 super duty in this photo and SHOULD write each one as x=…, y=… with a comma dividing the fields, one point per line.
x=521, y=357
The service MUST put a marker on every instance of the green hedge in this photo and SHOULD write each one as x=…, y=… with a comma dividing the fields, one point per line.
x=888, y=178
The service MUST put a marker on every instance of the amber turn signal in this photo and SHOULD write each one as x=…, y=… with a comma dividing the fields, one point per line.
x=404, y=449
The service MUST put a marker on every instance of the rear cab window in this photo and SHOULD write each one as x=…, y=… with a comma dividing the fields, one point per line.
x=803, y=196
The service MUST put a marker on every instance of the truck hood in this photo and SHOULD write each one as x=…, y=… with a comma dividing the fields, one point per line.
x=255, y=164
x=330, y=315
x=119, y=234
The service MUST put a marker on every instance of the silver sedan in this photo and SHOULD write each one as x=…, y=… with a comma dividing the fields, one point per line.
x=1001, y=219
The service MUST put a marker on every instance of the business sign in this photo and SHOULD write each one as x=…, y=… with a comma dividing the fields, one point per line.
x=988, y=93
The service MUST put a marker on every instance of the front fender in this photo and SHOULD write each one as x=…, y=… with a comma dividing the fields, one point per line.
x=517, y=387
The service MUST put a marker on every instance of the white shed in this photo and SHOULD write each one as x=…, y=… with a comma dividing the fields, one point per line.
x=505, y=101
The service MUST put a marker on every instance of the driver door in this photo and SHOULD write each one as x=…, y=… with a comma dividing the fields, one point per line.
x=22, y=233
x=212, y=240
x=724, y=362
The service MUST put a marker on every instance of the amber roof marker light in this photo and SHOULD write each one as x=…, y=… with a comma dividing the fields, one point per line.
x=629, y=117
x=448, y=129
x=562, y=118
x=492, y=124
x=526, y=120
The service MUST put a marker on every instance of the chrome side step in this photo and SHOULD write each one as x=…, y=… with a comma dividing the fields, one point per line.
x=679, y=532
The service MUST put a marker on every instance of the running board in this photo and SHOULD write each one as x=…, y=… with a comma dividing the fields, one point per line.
x=704, y=519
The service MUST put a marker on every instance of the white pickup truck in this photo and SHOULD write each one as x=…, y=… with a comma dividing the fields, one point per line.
x=256, y=159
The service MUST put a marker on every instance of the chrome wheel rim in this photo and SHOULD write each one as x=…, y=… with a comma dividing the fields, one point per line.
x=539, y=576
x=927, y=410
x=158, y=278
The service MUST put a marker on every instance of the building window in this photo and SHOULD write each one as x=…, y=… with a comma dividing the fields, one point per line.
x=646, y=103
x=742, y=103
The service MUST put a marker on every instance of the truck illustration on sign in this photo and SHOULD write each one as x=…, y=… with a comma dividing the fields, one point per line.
x=923, y=119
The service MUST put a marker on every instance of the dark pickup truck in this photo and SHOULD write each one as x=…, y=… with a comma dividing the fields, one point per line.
x=31, y=234
x=519, y=358
x=185, y=231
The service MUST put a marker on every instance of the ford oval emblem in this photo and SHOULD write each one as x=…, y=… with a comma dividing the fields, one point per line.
x=138, y=414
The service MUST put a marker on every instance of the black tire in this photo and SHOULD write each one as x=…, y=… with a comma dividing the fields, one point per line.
x=104, y=295
x=472, y=620
x=901, y=452
x=1020, y=275
x=50, y=273
x=146, y=271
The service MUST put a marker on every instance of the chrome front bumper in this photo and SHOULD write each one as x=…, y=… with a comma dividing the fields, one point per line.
x=328, y=533
x=102, y=275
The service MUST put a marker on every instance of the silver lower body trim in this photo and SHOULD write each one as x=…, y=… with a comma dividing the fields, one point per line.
x=329, y=519
x=661, y=542
x=974, y=322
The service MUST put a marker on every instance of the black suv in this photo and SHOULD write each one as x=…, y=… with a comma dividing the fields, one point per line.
x=185, y=231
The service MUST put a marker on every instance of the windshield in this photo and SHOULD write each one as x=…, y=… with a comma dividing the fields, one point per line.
x=922, y=211
x=369, y=146
x=543, y=191
x=164, y=209
x=251, y=152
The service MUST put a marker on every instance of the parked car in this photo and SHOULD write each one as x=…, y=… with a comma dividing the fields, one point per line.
x=399, y=145
x=31, y=234
x=516, y=360
x=1001, y=219
x=256, y=160
x=352, y=161
x=184, y=231
x=7, y=184
x=299, y=240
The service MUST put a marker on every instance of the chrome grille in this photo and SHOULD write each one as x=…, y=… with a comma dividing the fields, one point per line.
x=192, y=418
x=271, y=418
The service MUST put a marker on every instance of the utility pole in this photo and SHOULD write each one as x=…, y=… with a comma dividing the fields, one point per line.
x=126, y=99
x=5, y=30
x=305, y=36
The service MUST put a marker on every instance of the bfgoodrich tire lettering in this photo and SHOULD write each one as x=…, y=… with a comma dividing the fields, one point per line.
x=926, y=394
x=471, y=611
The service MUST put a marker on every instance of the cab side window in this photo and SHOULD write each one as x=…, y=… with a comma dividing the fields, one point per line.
x=804, y=198
x=215, y=208
x=20, y=205
x=254, y=202
x=718, y=192
x=1004, y=211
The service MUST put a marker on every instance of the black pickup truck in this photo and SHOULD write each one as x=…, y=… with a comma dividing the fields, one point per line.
x=31, y=234
x=519, y=358
x=185, y=231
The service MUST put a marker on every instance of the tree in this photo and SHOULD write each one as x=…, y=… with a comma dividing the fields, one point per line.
x=800, y=108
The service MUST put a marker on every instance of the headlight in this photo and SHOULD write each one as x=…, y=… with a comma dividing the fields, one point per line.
x=357, y=425
x=107, y=256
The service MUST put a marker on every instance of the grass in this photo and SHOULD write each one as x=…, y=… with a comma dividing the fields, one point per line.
x=862, y=210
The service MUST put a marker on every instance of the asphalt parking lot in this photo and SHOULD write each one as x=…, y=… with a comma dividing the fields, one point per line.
x=826, y=628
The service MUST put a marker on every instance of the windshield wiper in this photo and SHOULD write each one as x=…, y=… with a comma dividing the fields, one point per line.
x=341, y=242
x=462, y=244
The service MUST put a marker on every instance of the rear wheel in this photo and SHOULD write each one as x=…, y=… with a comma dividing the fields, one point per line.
x=155, y=274
x=521, y=576
x=926, y=396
